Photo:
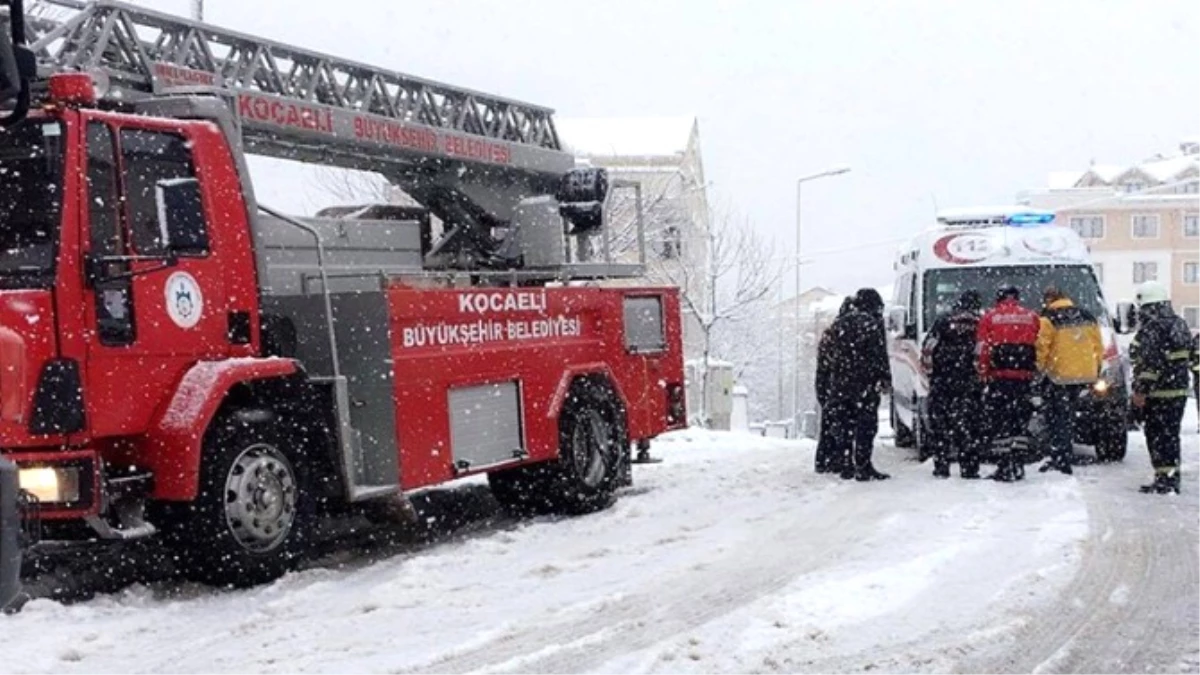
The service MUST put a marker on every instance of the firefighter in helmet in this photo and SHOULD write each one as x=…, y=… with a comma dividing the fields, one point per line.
x=1162, y=352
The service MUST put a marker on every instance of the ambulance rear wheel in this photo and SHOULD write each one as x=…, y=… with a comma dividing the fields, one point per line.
x=253, y=516
x=592, y=441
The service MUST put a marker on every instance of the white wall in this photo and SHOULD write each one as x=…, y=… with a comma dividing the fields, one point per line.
x=1118, y=271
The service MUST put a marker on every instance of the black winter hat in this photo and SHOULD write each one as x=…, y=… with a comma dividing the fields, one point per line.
x=970, y=301
x=869, y=301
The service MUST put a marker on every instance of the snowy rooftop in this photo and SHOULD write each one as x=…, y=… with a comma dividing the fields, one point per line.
x=1163, y=169
x=626, y=136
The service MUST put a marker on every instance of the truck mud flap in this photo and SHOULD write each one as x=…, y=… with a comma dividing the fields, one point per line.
x=10, y=537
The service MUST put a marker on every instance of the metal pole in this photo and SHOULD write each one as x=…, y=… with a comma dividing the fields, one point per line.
x=198, y=10
x=796, y=316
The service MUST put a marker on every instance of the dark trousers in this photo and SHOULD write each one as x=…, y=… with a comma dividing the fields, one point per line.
x=828, y=458
x=1008, y=410
x=1164, y=416
x=1061, y=402
x=956, y=418
x=854, y=422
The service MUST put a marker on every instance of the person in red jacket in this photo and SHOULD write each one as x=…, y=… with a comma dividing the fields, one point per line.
x=1007, y=343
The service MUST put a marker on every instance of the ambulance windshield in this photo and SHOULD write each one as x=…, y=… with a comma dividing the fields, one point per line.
x=31, y=170
x=943, y=286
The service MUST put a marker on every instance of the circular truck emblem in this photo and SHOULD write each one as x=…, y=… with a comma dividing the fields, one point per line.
x=1047, y=243
x=185, y=302
x=963, y=249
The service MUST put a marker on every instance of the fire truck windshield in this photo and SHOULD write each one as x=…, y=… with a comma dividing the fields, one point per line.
x=943, y=286
x=31, y=189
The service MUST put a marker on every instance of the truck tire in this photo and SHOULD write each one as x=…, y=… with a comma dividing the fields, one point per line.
x=253, y=516
x=591, y=438
x=589, y=468
x=903, y=435
x=1112, y=442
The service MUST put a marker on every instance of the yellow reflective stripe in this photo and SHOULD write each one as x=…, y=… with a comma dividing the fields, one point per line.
x=1147, y=376
x=1168, y=393
x=1180, y=354
x=1168, y=470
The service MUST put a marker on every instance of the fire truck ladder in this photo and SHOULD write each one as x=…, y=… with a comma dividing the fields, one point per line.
x=474, y=160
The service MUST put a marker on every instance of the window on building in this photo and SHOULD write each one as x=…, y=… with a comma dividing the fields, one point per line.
x=672, y=243
x=1134, y=186
x=1192, y=316
x=1190, y=188
x=1088, y=227
x=1145, y=271
x=1191, y=272
x=1145, y=226
x=1191, y=224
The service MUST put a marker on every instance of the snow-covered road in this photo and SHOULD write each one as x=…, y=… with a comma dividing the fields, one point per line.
x=730, y=556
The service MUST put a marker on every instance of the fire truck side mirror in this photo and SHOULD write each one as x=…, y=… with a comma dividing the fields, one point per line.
x=18, y=66
x=182, y=230
x=1126, y=319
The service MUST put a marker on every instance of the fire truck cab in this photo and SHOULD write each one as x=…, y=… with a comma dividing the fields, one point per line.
x=176, y=359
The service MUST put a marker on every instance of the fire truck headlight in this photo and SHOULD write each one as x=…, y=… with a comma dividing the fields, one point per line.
x=55, y=485
x=1101, y=387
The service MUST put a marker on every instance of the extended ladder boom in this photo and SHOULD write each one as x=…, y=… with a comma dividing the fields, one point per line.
x=471, y=158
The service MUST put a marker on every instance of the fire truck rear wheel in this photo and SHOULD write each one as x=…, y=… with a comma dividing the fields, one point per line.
x=253, y=516
x=591, y=436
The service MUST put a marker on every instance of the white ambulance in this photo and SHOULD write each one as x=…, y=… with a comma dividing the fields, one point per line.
x=984, y=249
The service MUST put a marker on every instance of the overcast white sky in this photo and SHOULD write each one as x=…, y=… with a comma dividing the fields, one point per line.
x=962, y=102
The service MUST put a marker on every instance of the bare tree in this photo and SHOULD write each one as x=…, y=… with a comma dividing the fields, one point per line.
x=331, y=186
x=737, y=279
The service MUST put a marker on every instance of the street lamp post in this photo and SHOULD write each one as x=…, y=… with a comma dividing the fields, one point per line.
x=796, y=412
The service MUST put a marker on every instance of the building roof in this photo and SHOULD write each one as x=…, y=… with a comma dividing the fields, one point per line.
x=1162, y=169
x=626, y=136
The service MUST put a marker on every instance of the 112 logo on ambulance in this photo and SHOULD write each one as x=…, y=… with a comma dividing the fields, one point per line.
x=963, y=249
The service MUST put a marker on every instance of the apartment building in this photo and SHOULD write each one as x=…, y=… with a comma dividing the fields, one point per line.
x=1141, y=221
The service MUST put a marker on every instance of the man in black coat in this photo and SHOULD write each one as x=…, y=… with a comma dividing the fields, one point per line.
x=829, y=458
x=859, y=373
x=955, y=391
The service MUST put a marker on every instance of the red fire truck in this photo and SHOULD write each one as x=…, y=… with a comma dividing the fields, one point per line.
x=177, y=359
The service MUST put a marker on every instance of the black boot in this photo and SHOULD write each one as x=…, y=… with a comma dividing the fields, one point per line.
x=869, y=472
x=941, y=470
x=1057, y=465
x=970, y=472
x=1004, y=471
x=1164, y=483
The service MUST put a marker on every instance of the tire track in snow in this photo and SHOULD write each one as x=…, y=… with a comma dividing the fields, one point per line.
x=659, y=611
x=1132, y=605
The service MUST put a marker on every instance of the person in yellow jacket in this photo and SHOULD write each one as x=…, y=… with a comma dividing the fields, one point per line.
x=1070, y=352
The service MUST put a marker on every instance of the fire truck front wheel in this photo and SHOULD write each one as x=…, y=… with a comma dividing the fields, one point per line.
x=253, y=515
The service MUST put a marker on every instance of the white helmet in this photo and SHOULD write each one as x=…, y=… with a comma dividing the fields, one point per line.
x=1150, y=292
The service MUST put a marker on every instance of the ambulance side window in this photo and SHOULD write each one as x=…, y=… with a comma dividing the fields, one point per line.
x=905, y=298
x=150, y=157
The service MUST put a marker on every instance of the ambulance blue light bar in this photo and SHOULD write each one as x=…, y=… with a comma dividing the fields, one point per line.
x=1021, y=219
